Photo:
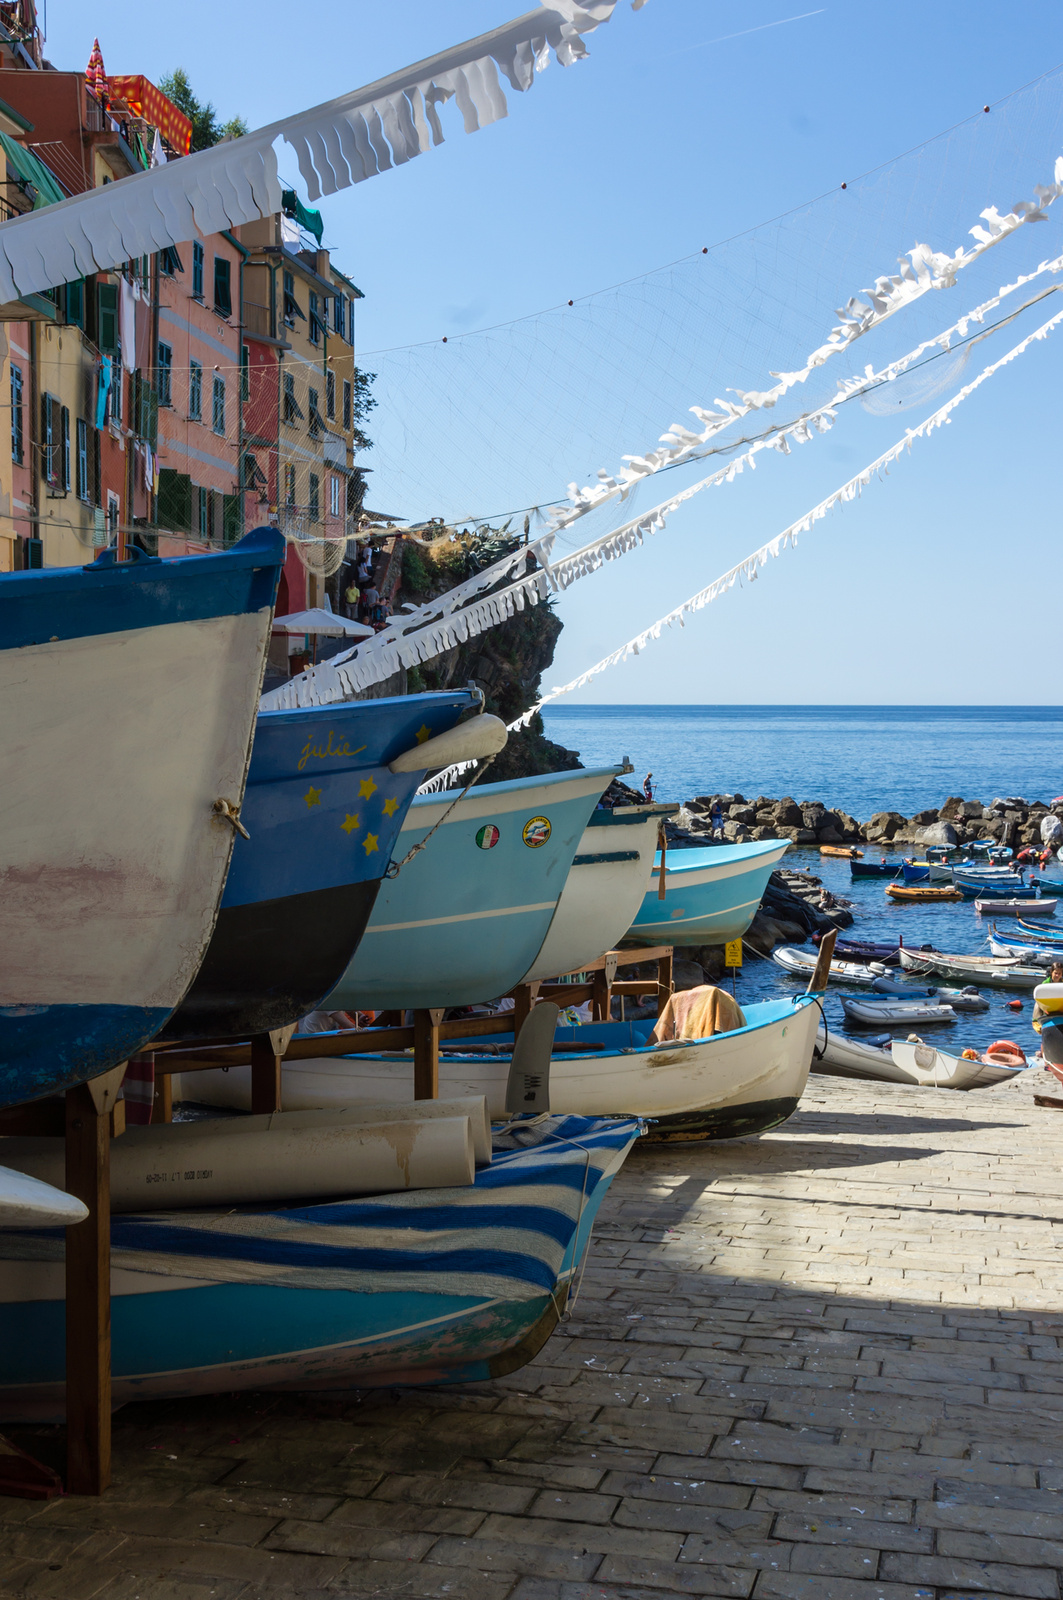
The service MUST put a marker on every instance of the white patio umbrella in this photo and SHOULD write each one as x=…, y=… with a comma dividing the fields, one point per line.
x=318, y=620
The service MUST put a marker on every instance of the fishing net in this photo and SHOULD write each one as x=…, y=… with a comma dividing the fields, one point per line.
x=502, y=420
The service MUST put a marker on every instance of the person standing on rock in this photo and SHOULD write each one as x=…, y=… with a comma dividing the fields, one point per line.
x=647, y=787
x=716, y=818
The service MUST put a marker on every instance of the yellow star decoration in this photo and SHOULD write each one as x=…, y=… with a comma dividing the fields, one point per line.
x=351, y=823
x=423, y=733
x=366, y=789
x=390, y=807
x=372, y=843
x=312, y=796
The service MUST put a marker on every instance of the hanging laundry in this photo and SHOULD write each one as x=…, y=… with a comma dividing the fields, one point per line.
x=103, y=389
x=127, y=323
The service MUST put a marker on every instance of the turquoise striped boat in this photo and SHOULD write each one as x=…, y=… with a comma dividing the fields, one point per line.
x=710, y=895
x=465, y=919
x=425, y=1287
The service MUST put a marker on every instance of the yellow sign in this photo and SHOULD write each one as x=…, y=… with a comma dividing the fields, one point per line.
x=732, y=953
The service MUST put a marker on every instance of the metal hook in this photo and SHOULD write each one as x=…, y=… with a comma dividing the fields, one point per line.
x=231, y=813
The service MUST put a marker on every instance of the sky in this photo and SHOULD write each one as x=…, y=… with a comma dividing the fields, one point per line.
x=690, y=125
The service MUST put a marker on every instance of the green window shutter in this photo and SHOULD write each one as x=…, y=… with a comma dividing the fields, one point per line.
x=230, y=517
x=174, y=504
x=107, y=318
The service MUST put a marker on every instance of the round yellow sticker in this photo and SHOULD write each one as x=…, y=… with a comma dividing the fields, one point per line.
x=536, y=832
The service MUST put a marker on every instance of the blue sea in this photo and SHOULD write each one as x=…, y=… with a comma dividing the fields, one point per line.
x=862, y=759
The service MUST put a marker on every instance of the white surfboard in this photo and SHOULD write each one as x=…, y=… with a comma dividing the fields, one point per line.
x=28, y=1203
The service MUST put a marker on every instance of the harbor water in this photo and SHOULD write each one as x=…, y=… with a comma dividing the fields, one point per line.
x=861, y=758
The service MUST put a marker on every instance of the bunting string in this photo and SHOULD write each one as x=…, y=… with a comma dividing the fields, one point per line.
x=749, y=568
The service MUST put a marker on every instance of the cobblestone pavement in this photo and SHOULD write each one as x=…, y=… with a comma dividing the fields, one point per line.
x=824, y=1363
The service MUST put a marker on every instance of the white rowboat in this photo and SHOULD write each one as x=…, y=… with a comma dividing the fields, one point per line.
x=802, y=965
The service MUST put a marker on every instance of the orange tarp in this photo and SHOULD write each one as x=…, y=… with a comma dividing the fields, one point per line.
x=144, y=100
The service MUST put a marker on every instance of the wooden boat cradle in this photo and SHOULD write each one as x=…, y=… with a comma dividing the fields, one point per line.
x=91, y=1114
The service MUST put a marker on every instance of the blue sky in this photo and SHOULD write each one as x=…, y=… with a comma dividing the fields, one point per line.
x=671, y=137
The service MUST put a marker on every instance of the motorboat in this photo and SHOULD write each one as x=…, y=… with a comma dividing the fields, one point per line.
x=128, y=694
x=458, y=1285
x=902, y=987
x=915, y=871
x=802, y=964
x=967, y=999
x=1002, y=973
x=1027, y=907
x=604, y=890
x=327, y=793
x=864, y=950
x=894, y=1013
x=1031, y=954
x=711, y=895
x=467, y=915
x=938, y=1069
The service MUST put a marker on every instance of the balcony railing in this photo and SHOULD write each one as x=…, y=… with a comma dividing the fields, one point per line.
x=257, y=319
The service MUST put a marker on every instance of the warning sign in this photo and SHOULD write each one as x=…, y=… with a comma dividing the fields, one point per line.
x=732, y=953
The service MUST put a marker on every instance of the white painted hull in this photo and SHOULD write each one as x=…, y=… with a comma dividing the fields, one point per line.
x=767, y=1060
x=600, y=899
x=936, y=1069
x=28, y=1203
x=112, y=864
x=848, y=1058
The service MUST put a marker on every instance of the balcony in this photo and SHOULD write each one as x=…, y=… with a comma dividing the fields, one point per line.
x=257, y=319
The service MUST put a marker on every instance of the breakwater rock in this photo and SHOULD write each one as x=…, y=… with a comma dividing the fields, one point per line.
x=1011, y=821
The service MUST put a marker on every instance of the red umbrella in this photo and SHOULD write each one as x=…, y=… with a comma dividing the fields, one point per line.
x=95, y=76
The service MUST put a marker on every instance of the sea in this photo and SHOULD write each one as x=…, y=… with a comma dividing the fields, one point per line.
x=862, y=759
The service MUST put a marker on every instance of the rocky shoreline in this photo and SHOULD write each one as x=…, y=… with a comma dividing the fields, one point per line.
x=1012, y=821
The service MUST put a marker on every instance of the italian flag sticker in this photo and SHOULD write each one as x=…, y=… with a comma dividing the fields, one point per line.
x=487, y=837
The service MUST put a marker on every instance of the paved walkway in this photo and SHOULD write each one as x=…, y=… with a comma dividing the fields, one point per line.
x=824, y=1363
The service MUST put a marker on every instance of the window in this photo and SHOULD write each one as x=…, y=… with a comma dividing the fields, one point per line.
x=314, y=405
x=164, y=374
x=347, y=405
x=339, y=306
x=292, y=308
x=81, y=460
x=17, y=435
x=315, y=498
x=315, y=320
x=75, y=303
x=330, y=395
x=203, y=498
x=49, y=440
x=107, y=318
x=334, y=496
x=292, y=409
x=223, y=293
x=170, y=262
x=245, y=372
x=218, y=406
x=197, y=271
x=289, y=486
x=64, y=449
x=195, y=391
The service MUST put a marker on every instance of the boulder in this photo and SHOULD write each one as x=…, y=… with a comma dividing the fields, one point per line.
x=788, y=814
x=937, y=833
x=744, y=814
x=764, y=830
x=829, y=836
x=709, y=958
x=883, y=825
x=707, y=801
x=952, y=809
x=1012, y=803
x=1051, y=831
x=686, y=974
x=764, y=802
x=735, y=832
x=827, y=822
x=923, y=819
x=739, y=799
x=849, y=826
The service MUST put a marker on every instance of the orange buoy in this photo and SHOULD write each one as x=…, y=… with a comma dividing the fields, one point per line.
x=1005, y=1053
x=1014, y=1005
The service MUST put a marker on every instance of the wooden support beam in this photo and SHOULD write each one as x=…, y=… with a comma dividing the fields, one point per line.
x=426, y=1053
x=346, y=1042
x=664, y=982
x=265, y=1075
x=524, y=997
x=88, y=1284
x=162, y=1105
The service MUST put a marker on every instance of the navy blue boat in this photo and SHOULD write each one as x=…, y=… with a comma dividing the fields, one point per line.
x=323, y=813
x=873, y=869
x=128, y=695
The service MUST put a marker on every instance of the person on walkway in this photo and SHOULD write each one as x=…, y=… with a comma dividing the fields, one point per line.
x=716, y=818
x=370, y=600
x=351, y=595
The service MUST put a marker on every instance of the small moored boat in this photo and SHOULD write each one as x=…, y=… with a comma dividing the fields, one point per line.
x=846, y=850
x=800, y=964
x=892, y=1013
x=874, y=869
x=937, y=1069
x=922, y=892
x=710, y=895
x=1005, y=973
x=842, y=1057
x=864, y=950
x=1026, y=907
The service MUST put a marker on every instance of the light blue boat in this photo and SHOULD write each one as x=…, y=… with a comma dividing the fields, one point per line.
x=710, y=895
x=426, y=1287
x=464, y=920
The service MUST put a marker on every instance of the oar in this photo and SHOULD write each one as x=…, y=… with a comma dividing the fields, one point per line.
x=821, y=971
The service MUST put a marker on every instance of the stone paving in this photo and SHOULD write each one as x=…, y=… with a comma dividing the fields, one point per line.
x=820, y=1365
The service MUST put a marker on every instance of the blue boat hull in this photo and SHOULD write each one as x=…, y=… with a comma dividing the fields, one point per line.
x=915, y=871
x=529, y=1231
x=465, y=919
x=323, y=812
x=873, y=869
x=128, y=696
x=710, y=896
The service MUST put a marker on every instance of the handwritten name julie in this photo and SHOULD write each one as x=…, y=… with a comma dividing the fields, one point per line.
x=322, y=752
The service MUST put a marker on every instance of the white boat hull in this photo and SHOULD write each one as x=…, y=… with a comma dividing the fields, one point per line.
x=768, y=1060
x=936, y=1069
x=895, y=1013
x=849, y=1058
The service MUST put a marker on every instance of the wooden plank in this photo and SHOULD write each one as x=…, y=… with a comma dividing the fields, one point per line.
x=821, y=971
x=351, y=1041
x=426, y=1053
x=265, y=1075
x=88, y=1296
x=162, y=1105
x=41, y=1117
x=623, y=958
x=664, y=982
x=524, y=997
